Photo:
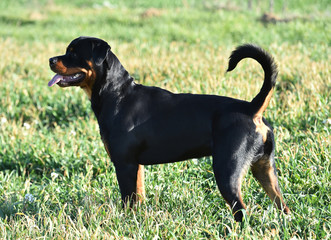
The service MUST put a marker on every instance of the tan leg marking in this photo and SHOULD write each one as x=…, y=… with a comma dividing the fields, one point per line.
x=140, y=184
x=266, y=176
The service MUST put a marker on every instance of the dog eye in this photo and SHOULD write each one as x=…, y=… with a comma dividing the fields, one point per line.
x=69, y=50
x=72, y=54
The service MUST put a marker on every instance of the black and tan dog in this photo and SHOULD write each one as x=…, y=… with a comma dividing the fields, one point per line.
x=142, y=125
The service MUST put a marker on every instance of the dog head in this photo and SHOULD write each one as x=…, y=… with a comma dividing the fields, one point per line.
x=79, y=66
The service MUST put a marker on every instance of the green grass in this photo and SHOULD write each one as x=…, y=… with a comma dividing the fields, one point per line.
x=50, y=146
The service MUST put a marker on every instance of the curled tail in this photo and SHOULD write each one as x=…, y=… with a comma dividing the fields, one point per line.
x=261, y=100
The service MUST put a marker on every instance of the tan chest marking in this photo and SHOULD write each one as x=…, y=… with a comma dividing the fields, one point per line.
x=88, y=83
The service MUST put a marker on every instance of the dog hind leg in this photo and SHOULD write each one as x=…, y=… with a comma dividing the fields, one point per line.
x=230, y=164
x=228, y=180
x=265, y=172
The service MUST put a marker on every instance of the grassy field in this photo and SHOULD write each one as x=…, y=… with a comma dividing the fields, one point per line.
x=56, y=181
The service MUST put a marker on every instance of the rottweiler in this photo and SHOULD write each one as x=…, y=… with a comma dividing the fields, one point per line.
x=145, y=125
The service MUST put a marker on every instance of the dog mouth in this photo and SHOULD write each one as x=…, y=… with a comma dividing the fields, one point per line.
x=66, y=80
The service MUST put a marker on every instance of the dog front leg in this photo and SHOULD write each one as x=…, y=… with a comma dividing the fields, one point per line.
x=130, y=178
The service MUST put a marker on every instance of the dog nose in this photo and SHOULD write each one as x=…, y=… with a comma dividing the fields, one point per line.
x=52, y=61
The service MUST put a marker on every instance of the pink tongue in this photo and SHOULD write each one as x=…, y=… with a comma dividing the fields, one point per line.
x=57, y=78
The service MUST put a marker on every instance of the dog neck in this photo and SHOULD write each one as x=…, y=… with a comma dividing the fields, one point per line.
x=114, y=84
x=116, y=77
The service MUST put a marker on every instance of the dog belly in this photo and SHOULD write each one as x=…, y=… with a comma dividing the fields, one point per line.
x=174, y=151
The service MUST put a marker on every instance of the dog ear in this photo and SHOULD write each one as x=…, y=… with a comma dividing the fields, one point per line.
x=100, y=51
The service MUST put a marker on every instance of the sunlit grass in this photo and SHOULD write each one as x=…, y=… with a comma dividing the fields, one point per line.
x=50, y=147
